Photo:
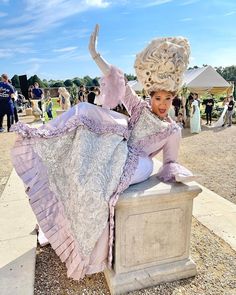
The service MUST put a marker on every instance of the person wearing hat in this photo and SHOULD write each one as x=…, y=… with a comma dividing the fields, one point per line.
x=80, y=162
x=7, y=94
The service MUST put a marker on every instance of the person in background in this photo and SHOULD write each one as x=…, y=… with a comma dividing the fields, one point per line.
x=81, y=96
x=198, y=99
x=49, y=105
x=188, y=104
x=14, y=118
x=209, y=103
x=38, y=94
x=180, y=120
x=64, y=97
x=229, y=112
x=177, y=104
x=195, y=118
x=91, y=95
x=97, y=100
x=7, y=93
x=30, y=93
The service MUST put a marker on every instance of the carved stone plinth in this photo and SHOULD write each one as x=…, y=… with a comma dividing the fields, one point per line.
x=28, y=112
x=59, y=112
x=152, y=235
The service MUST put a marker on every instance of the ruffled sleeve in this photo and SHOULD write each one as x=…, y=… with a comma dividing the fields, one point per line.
x=114, y=90
x=171, y=171
x=174, y=172
x=112, y=87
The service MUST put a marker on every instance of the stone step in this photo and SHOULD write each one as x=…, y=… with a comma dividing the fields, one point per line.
x=18, y=240
x=217, y=214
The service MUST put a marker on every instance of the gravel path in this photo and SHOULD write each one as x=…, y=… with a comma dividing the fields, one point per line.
x=210, y=154
x=7, y=140
x=216, y=267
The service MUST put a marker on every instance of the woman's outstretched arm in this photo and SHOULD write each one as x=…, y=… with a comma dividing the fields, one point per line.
x=103, y=65
x=116, y=91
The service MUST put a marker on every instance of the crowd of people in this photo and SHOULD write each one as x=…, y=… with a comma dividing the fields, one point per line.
x=183, y=111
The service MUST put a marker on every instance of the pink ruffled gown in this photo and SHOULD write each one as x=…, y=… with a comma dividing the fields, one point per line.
x=76, y=166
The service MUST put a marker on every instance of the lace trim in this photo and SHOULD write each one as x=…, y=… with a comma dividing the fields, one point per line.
x=48, y=132
x=169, y=171
x=159, y=136
x=136, y=112
x=129, y=170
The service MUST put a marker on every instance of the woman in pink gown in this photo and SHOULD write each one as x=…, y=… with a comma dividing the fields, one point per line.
x=76, y=166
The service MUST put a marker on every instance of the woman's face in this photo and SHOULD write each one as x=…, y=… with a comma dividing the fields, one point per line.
x=161, y=101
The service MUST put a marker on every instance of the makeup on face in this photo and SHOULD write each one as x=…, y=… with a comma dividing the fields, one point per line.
x=161, y=102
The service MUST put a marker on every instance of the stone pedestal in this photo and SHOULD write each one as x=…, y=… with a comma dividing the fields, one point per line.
x=152, y=235
x=28, y=112
x=59, y=112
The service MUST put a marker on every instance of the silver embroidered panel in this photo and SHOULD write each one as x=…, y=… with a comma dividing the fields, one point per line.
x=148, y=124
x=84, y=170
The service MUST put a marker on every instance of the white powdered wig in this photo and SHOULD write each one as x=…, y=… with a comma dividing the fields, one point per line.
x=161, y=65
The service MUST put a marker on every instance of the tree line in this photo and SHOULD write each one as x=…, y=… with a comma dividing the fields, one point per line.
x=86, y=81
x=228, y=73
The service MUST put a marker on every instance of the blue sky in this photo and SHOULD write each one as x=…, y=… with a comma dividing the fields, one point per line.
x=50, y=38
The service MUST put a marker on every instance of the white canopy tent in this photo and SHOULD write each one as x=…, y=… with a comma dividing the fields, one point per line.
x=204, y=80
x=135, y=85
x=201, y=80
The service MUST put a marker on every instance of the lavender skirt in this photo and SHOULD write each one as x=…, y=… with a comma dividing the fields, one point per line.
x=74, y=169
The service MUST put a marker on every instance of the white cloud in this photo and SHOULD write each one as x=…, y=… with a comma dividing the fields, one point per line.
x=65, y=49
x=120, y=39
x=75, y=33
x=39, y=16
x=129, y=55
x=156, y=3
x=32, y=70
x=9, y=52
x=188, y=2
x=33, y=60
x=187, y=19
x=5, y=53
x=230, y=13
x=97, y=3
x=2, y=14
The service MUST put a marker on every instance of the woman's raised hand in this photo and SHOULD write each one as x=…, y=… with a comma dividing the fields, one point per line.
x=93, y=42
x=102, y=64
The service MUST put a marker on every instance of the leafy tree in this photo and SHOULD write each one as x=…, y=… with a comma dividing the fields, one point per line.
x=192, y=68
x=34, y=79
x=68, y=83
x=58, y=84
x=51, y=82
x=73, y=92
x=229, y=73
x=87, y=81
x=77, y=82
x=15, y=81
x=95, y=82
x=45, y=82
x=130, y=77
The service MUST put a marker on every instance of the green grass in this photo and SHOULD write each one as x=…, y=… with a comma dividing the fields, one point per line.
x=55, y=107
